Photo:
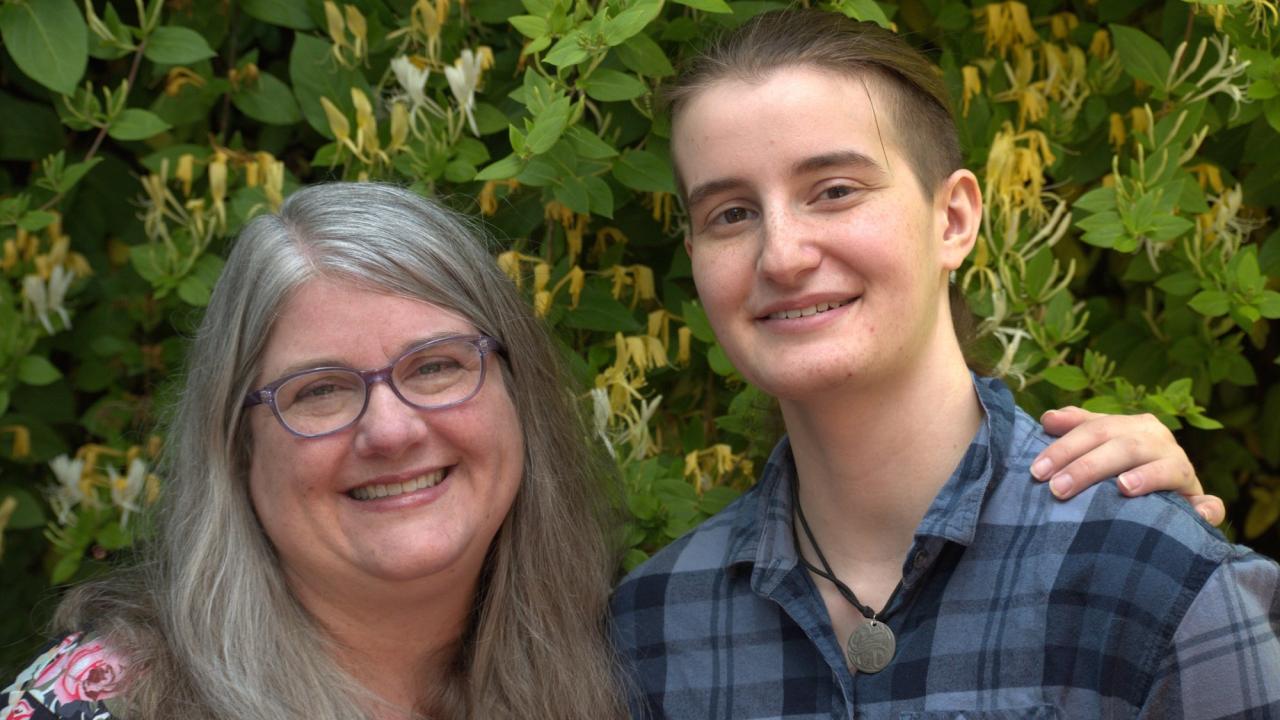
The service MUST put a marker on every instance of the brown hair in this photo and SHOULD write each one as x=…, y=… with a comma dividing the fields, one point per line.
x=909, y=83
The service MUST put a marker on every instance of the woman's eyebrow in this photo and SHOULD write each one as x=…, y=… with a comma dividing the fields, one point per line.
x=329, y=362
x=711, y=187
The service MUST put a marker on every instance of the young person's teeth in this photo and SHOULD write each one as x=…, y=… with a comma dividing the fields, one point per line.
x=805, y=312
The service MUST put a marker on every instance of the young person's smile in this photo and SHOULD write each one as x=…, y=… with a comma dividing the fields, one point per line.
x=816, y=252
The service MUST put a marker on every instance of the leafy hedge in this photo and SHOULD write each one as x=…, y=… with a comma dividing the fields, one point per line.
x=1129, y=259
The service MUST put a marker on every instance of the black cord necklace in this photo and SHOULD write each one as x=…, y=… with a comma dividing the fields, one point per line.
x=871, y=645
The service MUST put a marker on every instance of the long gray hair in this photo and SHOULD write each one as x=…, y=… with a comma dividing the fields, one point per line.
x=207, y=618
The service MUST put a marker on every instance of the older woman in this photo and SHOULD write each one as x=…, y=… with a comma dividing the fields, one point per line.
x=424, y=536
x=379, y=503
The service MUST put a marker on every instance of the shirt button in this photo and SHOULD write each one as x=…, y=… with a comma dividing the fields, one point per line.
x=921, y=560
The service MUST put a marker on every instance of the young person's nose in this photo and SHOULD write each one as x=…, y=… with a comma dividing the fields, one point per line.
x=788, y=250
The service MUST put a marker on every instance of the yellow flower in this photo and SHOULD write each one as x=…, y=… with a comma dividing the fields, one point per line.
x=7, y=507
x=1061, y=24
x=972, y=85
x=541, y=276
x=1116, y=134
x=684, y=338
x=1015, y=170
x=1005, y=25
x=1209, y=176
x=399, y=125
x=1140, y=119
x=10, y=259
x=179, y=77
x=1100, y=45
x=185, y=172
x=21, y=440
x=541, y=303
x=509, y=263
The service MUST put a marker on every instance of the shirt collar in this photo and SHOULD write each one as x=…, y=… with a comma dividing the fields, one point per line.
x=764, y=538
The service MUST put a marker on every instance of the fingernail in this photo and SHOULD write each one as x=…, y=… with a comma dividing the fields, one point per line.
x=1041, y=468
x=1130, y=483
x=1060, y=486
x=1204, y=514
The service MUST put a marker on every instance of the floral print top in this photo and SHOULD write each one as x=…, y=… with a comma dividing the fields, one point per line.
x=70, y=681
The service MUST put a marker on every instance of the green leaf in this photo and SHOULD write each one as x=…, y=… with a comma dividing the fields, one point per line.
x=194, y=291
x=285, y=13
x=1263, y=512
x=1210, y=303
x=711, y=6
x=696, y=318
x=136, y=124
x=315, y=74
x=630, y=22
x=269, y=101
x=1248, y=274
x=719, y=361
x=1179, y=284
x=172, y=45
x=507, y=167
x=644, y=171
x=48, y=40
x=1067, y=377
x=589, y=145
x=35, y=370
x=1097, y=200
x=642, y=55
x=611, y=86
x=601, y=196
x=865, y=10
x=37, y=220
x=531, y=26
x=548, y=126
x=568, y=50
x=600, y=311
x=1141, y=56
x=29, y=130
x=114, y=537
x=29, y=513
x=1269, y=305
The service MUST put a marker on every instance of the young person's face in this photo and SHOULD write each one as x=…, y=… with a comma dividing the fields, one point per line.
x=818, y=257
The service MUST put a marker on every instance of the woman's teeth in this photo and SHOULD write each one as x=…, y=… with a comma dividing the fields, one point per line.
x=806, y=312
x=373, y=492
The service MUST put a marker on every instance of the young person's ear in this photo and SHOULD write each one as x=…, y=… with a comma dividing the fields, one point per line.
x=959, y=209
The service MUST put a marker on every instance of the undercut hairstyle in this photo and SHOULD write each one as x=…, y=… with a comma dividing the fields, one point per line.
x=207, y=620
x=909, y=84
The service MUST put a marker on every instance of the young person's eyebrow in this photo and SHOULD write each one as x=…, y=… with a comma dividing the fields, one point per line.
x=711, y=187
x=843, y=158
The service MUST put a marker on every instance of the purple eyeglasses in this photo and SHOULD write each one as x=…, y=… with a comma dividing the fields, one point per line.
x=437, y=374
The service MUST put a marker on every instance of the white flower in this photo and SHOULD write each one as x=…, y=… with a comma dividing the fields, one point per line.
x=600, y=414
x=68, y=492
x=464, y=77
x=125, y=490
x=412, y=79
x=46, y=298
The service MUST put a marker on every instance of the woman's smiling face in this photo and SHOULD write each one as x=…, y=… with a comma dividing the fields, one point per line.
x=816, y=253
x=463, y=464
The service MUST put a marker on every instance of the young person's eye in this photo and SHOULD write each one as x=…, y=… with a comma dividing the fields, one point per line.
x=732, y=215
x=836, y=192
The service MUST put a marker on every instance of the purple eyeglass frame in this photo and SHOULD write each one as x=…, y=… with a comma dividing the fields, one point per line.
x=266, y=395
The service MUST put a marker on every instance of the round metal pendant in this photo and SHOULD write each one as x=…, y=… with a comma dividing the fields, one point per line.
x=871, y=646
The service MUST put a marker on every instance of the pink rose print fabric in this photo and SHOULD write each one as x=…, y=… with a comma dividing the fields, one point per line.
x=69, y=681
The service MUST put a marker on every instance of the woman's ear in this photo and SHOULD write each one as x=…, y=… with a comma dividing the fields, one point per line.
x=959, y=208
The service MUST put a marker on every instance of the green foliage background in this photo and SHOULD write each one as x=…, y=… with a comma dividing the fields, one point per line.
x=1129, y=260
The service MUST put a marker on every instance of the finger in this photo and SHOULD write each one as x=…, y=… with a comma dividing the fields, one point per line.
x=1065, y=419
x=1165, y=473
x=1210, y=508
x=1088, y=436
x=1110, y=458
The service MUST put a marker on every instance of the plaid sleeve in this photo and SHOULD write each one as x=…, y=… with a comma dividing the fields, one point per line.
x=1225, y=657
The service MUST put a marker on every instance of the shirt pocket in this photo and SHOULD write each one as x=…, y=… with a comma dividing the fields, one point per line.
x=1031, y=712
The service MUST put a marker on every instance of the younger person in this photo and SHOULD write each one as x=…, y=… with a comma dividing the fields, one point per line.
x=895, y=559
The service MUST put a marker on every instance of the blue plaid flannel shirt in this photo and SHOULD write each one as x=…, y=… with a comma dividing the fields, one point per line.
x=1014, y=605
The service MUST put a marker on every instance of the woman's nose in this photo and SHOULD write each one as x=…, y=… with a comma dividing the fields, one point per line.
x=787, y=248
x=389, y=425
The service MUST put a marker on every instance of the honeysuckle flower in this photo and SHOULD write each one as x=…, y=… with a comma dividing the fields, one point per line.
x=1116, y=134
x=1005, y=25
x=21, y=440
x=1015, y=170
x=684, y=337
x=7, y=506
x=412, y=79
x=464, y=78
x=1100, y=45
x=46, y=298
x=126, y=489
x=69, y=490
x=399, y=125
x=972, y=85
x=1061, y=24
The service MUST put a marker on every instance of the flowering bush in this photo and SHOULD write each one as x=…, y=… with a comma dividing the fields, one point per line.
x=1128, y=261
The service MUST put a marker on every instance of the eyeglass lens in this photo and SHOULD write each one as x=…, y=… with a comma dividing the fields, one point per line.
x=433, y=376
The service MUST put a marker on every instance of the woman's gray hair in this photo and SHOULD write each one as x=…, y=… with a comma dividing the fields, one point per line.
x=207, y=615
